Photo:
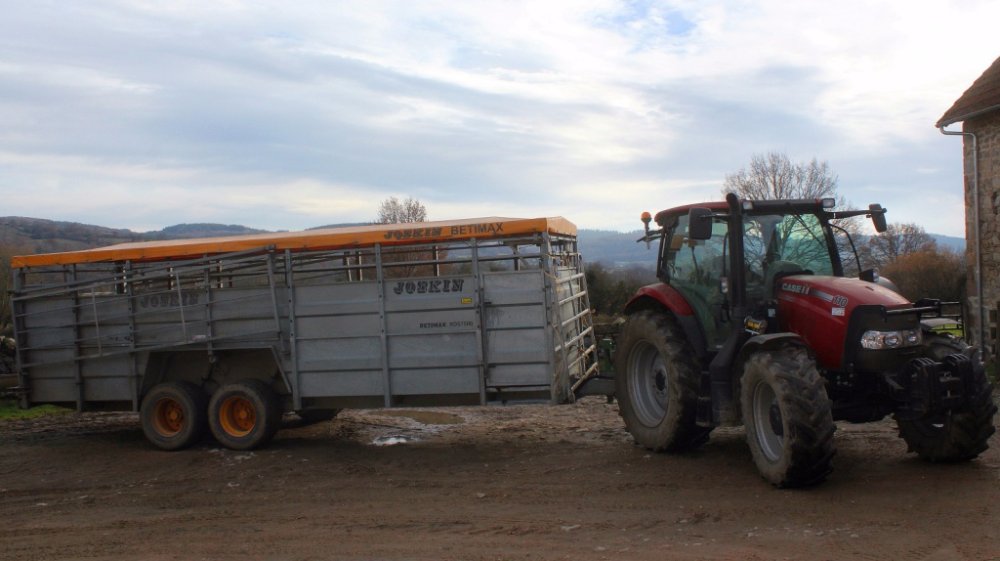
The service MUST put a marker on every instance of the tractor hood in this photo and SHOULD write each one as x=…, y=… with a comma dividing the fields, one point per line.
x=819, y=308
x=837, y=292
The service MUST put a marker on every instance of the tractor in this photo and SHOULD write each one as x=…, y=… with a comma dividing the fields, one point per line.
x=754, y=322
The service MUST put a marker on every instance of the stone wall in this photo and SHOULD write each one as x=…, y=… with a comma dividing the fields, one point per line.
x=987, y=131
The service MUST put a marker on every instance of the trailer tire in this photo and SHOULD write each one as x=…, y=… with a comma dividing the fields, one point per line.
x=788, y=417
x=313, y=416
x=173, y=415
x=956, y=436
x=244, y=415
x=656, y=384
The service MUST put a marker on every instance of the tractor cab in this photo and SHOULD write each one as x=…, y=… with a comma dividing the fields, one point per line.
x=770, y=240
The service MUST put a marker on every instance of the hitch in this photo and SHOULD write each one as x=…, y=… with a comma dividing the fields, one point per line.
x=14, y=392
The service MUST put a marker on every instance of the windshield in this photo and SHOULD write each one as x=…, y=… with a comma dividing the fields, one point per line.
x=785, y=243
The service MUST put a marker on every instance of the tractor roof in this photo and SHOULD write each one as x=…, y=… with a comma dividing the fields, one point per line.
x=322, y=239
x=776, y=206
x=683, y=209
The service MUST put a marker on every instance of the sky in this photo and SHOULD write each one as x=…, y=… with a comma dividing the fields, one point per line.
x=291, y=115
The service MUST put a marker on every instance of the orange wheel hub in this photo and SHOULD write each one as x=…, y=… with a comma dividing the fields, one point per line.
x=237, y=415
x=168, y=417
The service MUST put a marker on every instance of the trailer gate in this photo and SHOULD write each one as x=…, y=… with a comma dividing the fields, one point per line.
x=467, y=312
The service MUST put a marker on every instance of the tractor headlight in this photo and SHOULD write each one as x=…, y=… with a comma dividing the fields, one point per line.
x=880, y=340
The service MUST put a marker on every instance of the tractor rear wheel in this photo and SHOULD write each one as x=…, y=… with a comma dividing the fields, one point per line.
x=788, y=418
x=244, y=415
x=955, y=436
x=656, y=383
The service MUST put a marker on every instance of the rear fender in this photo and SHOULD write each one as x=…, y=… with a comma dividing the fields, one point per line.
x=665, y=298
x=663, y=294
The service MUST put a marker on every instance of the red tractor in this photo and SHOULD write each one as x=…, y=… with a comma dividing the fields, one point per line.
x=754, y=322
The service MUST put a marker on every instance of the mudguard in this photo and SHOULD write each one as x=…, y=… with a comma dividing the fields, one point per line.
x=766, y=342
x=660, y=295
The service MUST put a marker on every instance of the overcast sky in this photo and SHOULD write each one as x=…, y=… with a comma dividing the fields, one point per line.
x=289, y=115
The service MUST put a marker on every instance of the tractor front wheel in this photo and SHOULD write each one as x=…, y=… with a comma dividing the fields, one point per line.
x=656, y=383
x=789, y=424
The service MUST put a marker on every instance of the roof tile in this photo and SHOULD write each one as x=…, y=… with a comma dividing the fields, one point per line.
x=981, y=97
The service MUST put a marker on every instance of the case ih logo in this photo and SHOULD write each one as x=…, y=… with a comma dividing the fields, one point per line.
x=796, y=288
x=837, y=300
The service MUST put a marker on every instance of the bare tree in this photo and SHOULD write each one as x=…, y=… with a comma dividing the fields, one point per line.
x=394, y=211
x=898, y=240
x=774, y=176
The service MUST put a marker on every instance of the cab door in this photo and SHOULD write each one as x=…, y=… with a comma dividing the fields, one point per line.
x=696, y=269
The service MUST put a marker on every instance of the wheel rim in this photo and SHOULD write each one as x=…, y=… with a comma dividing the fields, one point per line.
x=648, y=384
x=237, y=415
x=768, y=422
x=168, y=417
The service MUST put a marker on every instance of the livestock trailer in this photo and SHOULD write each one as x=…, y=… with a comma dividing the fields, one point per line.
x=227, y=334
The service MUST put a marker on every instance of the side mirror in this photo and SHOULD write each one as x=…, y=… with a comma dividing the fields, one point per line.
x=878, y=218
x=699, y=223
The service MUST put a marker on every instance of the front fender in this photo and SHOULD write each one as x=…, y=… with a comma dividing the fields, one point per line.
x=765, y=342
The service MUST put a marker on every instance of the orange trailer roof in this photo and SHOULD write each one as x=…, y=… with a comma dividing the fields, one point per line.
x=322, y=239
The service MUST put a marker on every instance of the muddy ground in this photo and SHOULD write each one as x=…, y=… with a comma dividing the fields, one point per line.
x=528, y=482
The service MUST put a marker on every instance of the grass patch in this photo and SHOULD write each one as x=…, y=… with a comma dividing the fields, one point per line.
x=10, y=411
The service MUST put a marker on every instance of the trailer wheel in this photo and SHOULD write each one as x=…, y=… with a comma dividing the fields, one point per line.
x=174, y=415
x=656, y=383
x=313, y=416
x=788, y=418
x=244, y=415
x=959, y=435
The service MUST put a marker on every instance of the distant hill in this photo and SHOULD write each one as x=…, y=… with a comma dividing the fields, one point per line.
x=342, y=225
x=36, y=235
x=21, y=235
x=950, y=242
x=615, y=249
x=200, y=231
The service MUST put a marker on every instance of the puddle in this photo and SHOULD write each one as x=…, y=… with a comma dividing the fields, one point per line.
x=393, y=440
x=425, y=417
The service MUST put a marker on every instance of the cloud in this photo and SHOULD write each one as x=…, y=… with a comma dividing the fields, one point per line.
x=289, y=116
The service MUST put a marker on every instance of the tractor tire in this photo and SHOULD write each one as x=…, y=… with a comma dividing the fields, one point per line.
x=956, y=436
x=173, y=415
x=244, y=415
x=788, y=418
x=656, y=384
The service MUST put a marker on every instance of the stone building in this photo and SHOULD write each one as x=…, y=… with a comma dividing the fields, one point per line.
x=979, y=112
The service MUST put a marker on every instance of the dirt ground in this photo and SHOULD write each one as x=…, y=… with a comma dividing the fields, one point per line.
x=527, y=482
